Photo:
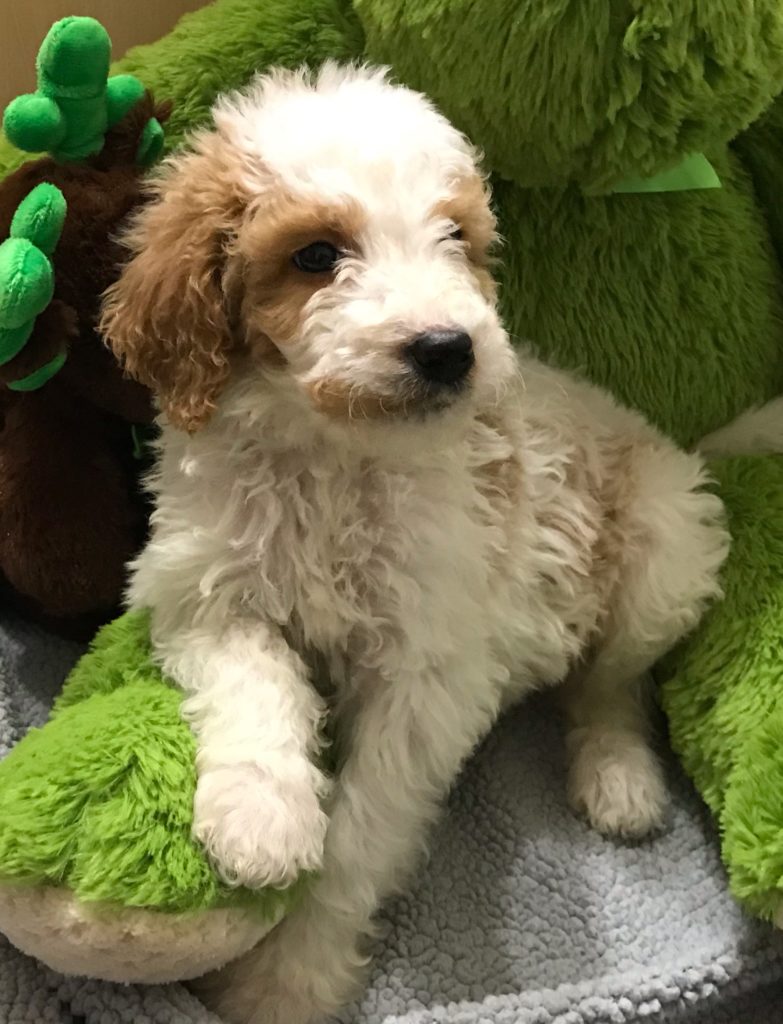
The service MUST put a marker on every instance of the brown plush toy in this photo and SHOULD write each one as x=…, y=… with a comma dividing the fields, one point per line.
x=71, y=511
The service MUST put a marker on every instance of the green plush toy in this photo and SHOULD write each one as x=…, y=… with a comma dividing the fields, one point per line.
x=76, y=102
x=637, y=153
x=75, y=105
x=27, y=277
x=100, y=874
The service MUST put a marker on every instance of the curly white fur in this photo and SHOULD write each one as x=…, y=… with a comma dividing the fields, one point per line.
x=412, y=573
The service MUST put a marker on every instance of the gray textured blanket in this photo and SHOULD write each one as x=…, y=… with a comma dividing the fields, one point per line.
x=522, y=916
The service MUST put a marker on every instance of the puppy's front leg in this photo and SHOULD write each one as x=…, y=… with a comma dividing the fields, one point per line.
x=256, y=720
x=407, y=743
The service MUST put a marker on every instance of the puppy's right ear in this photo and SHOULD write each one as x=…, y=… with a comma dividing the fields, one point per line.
x=165, y=318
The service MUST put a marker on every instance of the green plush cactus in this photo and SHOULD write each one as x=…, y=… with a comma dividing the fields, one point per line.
x=27, y=277
x=75, y=105
x=76, y=102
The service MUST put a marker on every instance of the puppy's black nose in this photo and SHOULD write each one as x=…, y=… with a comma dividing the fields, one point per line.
x=442, y=356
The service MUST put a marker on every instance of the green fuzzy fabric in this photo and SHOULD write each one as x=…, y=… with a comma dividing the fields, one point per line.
x=723, y=692
x=761, y=150
x=674, y=300
x=111, y=821
x=585, y=90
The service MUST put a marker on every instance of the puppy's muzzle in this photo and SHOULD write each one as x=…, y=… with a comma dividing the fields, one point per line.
x=441, y=356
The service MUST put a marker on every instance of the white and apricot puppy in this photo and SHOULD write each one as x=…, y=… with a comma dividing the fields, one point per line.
x=366, y=502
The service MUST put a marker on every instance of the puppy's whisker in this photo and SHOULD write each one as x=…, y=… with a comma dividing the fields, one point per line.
x=354, y=401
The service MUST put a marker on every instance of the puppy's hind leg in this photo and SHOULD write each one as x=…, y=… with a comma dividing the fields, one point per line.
x=668, y=543
x=614, y=779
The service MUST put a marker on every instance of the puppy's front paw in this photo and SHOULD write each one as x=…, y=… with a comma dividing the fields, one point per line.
x=258, y=829
x=616, y=781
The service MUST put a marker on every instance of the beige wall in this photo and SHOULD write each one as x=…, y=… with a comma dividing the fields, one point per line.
x=26, y=22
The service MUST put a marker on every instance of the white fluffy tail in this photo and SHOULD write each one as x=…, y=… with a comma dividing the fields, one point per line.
x=758, y=431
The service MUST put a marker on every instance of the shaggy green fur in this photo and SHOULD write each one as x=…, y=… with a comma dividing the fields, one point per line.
x=585, y=90
x=723, y=692
x=672, y=300
x=761, y=149
x=111, y=819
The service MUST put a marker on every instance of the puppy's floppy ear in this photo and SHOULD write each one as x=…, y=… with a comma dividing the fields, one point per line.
x=165, y=318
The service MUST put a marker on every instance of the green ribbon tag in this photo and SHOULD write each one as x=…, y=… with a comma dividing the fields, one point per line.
x=694, y=172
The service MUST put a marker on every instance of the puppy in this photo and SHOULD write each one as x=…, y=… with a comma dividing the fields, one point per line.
x=365, y=502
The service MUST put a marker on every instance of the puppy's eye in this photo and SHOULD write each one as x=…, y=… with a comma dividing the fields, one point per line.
x=317, y=258
x=457, y=234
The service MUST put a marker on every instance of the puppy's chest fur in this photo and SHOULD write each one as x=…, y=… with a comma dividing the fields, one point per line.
x=356, y=555
x=369, y=565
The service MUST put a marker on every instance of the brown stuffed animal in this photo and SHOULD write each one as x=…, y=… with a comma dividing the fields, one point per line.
x=71, y=513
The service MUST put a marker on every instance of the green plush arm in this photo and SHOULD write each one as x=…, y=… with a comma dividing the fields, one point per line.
x=723, y=691
x=222, y=45
x=761, y=151
x=27, y=289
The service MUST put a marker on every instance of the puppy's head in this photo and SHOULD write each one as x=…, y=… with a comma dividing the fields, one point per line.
x=327, y=242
